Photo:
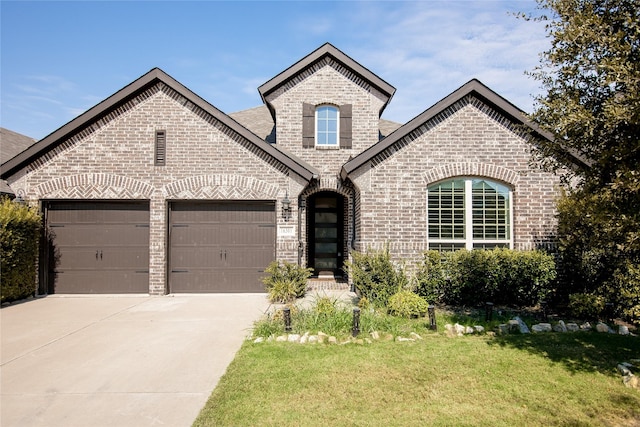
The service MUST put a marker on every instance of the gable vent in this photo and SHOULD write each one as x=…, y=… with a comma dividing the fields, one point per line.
x=161, y=148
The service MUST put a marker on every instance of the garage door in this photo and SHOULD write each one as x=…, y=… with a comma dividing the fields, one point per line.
x=220, y=246
x=98, y=247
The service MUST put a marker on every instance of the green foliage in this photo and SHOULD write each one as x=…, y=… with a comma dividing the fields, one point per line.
x=363, y=303
x=586, y=306
x=591, y=74
x=501, y=276
x=19, y=236
x=286, y=281
x=375, y=276
x=407, y=304
x=325, y=306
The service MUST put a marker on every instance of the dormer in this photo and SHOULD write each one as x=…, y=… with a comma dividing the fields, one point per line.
x=326, y=108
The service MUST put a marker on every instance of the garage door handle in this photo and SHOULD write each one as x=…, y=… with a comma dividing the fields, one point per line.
x=101, y=255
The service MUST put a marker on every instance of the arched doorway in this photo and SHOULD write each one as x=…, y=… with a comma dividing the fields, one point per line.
x=325, y=221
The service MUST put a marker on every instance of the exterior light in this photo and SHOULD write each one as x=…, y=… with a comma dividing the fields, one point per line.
x=356, y=322
x=287, y=319
x=432, y=318
x=286, y=207
x=488, y=311
x=608, y=307
x=543, y=305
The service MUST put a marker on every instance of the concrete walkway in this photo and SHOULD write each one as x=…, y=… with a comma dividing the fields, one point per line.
x=118, y=360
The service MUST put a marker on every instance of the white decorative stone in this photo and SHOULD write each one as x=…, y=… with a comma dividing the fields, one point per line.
x=623, y=330
x=479, y=329
x=572, y=327
x=542, y=327
x=415, y=336
x=524, y=329
x=293, y=338
x=313, y=339
x=469, y=330
x=375, y=335
x=560, y=327
x=281, y=338
x=258, y=340
x=586, y=326
x=403, y=339
x=602, y=327
x=304, y=339
x=333, y=340
x=459, y=329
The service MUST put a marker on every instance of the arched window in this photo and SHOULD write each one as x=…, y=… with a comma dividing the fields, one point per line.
x=327, y=121
x=471, y=213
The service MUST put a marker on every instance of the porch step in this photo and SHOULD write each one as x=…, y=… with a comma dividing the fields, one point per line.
x=327, y=284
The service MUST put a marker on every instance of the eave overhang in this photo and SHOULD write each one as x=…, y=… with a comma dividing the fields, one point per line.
x=482, y=92
x=150, y=79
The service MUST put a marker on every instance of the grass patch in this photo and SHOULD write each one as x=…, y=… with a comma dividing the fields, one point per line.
x=535, y=379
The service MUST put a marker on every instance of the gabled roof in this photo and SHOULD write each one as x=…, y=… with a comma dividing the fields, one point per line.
x=477, y=89
x=150, y=79
x=326, y=50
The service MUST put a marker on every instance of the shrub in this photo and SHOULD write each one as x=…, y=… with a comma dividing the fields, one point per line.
x=501, y=276
x=19, y=236
x=586, y=306
x=407, y=304
x=375, y=276
x=325, y=306
x=286, y=281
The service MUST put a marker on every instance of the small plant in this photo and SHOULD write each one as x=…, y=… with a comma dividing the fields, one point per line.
x=325, y=306
x=407, y=304
x=586, y=306
x=286, y=281
x=375, y=276
x=364, y=303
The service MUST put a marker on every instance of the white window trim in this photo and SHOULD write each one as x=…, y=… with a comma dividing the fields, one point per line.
x=468, y=241
x=335, y=146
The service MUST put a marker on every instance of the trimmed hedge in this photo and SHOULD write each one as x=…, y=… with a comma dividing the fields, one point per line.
x=19, y=236
x=502, y=276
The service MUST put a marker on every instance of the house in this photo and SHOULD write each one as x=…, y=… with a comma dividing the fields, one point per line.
x=156, y=190
x=11, y=144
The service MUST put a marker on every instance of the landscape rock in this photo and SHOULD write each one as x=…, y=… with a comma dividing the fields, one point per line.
x=415, y=336
x=572, y=327
x=623, y=330
x=514, y=326
x=479, y=329
x=503, y=329
x=542, y=327
x=524, y=329
x=333, y=340
x=313, y=339
x=304, y=339
x=375, y=335
x=403, y=339
x=293, y=338
x=281, y=338
x=631, y=381
x=469, y=330
x=258, y=340
x=586, y=326
x=602, y=327
x=459, y=329
x=560, y=327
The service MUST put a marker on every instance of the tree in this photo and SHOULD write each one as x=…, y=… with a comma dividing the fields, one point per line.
x=591, y=75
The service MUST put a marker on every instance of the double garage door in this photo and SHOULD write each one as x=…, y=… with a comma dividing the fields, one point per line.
x=103, y=246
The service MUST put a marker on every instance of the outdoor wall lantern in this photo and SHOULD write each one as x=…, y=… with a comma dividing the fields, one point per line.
x=20, y=198
x=286, y=207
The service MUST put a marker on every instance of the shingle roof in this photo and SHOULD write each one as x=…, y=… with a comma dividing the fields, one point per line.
x=11, y=144
x=473, y=87
x=151, y=78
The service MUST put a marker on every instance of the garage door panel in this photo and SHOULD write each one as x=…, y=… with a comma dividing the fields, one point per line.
x=221, y=246
x=99, y=246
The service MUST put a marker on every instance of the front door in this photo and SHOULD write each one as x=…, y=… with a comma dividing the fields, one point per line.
x=326, y=233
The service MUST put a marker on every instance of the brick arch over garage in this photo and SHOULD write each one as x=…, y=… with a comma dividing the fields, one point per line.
x=220, y=186
x=94, y=186
x=471, y=169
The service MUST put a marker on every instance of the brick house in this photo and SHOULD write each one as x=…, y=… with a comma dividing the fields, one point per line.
x=155, y=190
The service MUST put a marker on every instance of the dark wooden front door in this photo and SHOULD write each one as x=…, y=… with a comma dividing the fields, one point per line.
x=326, y=233
x=220, y=246
x=98, y=247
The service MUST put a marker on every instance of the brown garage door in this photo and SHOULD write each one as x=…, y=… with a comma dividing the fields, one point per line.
x=220, y=246
x=98, y=247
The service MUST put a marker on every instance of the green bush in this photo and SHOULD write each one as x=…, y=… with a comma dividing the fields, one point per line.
x=375, y=276
x=19, y=235
x=407, y=304
x=502, y=276
x=286, y=281
x=586, y=306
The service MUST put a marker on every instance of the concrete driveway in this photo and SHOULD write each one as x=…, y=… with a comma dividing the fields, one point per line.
x=118, y=360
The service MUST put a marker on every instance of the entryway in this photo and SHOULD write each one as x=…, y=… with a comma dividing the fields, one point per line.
x=325, y=221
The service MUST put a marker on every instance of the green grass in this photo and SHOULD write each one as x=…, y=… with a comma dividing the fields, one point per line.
x=525, y=380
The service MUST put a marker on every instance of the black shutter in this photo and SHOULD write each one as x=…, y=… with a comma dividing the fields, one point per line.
x=308, y=126
x=161, y=148
x=345, y=126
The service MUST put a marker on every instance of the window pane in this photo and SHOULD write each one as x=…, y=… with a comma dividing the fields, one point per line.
x=326, y=217
x=446, y=210
x=490, y=210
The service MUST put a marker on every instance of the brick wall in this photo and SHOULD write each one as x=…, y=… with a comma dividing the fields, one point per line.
x=114, y=159
x=468, y=139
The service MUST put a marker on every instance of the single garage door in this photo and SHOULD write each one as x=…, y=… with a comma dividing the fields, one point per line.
x=220, y=246
x=98, y=247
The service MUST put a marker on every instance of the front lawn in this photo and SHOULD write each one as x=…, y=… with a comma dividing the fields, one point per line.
x=534, y=379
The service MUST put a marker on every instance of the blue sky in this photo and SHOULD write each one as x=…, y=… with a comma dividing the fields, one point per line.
x=61, y=58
